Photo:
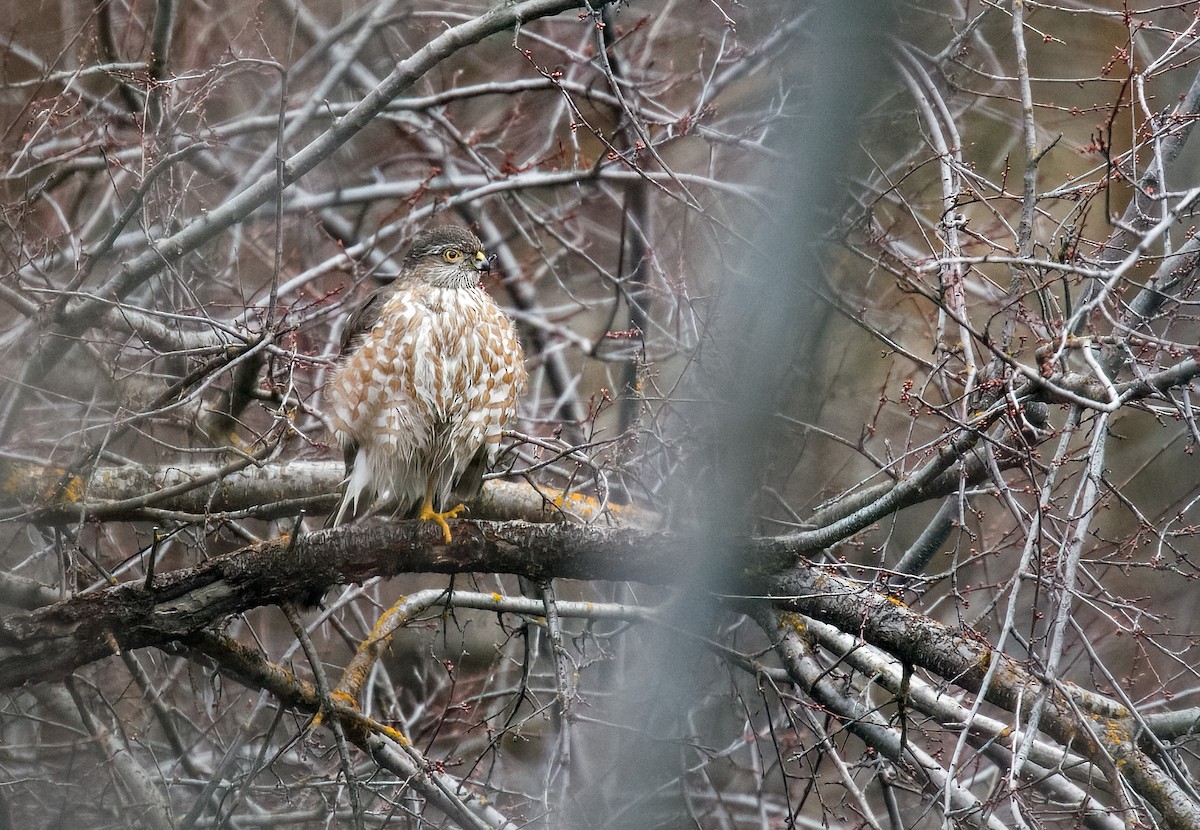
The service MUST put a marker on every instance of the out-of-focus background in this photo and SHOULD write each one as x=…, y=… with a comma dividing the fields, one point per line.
x=769, y=261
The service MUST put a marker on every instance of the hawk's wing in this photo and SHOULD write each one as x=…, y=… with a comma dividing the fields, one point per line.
x=361, y=321
x=364, y=318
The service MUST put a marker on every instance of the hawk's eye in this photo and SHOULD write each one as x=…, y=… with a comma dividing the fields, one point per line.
x=452, y=255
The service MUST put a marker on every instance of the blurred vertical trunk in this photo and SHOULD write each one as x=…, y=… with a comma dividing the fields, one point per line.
x=768, y=325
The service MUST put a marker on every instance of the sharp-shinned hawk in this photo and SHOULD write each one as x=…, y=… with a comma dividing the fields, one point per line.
x=431, y=373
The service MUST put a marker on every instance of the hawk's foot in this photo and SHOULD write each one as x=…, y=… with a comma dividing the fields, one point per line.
x=428, y=514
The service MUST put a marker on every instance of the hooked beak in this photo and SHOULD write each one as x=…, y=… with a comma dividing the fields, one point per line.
x=482, y=263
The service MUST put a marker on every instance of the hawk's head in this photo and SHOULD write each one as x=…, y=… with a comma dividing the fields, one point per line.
x=448, y=257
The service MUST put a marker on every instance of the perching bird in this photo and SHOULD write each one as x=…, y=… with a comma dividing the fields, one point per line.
x=431, y=373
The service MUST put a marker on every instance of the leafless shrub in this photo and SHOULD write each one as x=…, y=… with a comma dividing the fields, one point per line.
x=854, y=486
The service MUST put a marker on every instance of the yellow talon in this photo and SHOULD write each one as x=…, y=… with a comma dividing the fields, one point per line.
x=429, y=514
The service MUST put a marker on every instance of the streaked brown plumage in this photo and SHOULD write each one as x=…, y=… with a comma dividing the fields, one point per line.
x=431, y=375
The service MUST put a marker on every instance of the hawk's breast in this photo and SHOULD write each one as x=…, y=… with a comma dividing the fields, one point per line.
x=440, y=366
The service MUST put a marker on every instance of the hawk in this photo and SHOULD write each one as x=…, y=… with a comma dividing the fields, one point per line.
x=431, y=373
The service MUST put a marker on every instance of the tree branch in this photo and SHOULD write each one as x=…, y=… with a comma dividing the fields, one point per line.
x=51, y=642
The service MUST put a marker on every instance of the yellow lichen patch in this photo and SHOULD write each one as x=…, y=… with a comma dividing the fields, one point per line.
x=11, y=478
x=340, y=698
x=393, y=733
x=65, y=489
x=583, y=506
x=506, y=499
x=792, y=621
x=355, y=676
x=24, y=483
x=344, y=698
x=111, y=639
x=369, y=650
x=1115, y=732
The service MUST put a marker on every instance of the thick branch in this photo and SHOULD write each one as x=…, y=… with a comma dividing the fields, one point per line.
x=271, y=491
x=51, y=642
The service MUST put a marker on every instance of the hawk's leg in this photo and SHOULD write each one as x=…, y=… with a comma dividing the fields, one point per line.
x=429, y=514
